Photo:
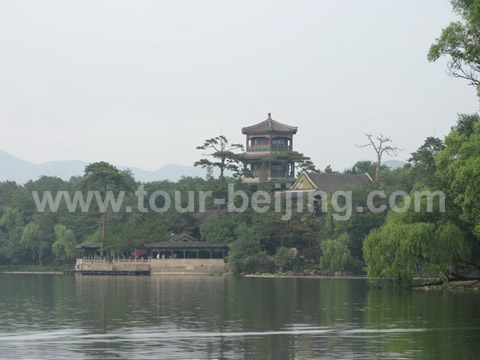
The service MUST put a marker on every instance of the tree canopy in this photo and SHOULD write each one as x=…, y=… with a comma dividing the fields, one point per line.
x=460, y=43
x=223, y=156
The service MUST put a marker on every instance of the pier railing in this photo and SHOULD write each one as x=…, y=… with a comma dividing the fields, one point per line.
x=99, y=260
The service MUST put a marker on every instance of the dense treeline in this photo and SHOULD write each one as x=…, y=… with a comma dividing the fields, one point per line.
x=440, y=244
x=28, y=236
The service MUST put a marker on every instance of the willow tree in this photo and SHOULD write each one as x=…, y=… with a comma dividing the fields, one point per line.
x=64, y=246
x=34, y=241
x=400, y=251
x=335, y=253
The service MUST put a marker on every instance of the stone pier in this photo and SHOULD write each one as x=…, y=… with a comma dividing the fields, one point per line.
x=152, y=266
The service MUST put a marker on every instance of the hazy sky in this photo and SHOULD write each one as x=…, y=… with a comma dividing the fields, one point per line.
x=141, y=83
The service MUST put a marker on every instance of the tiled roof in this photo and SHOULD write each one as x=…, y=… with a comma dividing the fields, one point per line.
x=183, y=241
x=186, y=245
x=89, y=246
x=330, y=183
x=177, y=238
x=269, y=126
x=206, y=215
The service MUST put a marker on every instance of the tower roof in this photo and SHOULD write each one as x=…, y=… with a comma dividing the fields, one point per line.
x=269, y=126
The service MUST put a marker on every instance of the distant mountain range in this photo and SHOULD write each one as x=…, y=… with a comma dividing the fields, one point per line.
x=394, y=164
x=21, y=171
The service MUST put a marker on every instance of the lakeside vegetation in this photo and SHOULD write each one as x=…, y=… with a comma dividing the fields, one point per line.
x=396, y=246
x=392, y=247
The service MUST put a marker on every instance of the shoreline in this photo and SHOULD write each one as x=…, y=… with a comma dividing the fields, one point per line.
x=472, y=285
x=458, y=285
x=308, y=277
x=33, y=272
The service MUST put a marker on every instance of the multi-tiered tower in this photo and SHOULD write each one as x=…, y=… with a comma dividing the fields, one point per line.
x=264, y=140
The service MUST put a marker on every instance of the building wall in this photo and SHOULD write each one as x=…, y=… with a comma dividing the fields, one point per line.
x=155, y=266
x=93, y=265
x=303, y=183
x=188, y=266
x=130, y=266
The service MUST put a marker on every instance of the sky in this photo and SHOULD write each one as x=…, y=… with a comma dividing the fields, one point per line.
x=142, y=83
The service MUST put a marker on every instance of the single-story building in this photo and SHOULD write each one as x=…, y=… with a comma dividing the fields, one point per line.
x=90, y=250
x=184, y=246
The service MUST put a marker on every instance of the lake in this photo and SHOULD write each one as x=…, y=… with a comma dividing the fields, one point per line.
x=212, y=317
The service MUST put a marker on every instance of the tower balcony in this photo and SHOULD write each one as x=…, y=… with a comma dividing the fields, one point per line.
x=273, y=147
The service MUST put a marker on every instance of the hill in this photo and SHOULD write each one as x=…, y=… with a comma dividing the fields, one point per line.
x=394, y=164
x=15, y=169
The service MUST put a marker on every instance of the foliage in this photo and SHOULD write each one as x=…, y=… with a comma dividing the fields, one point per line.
x=458, y=170
x=434, y=243
x=224, y=156
x=328, y=170
x=246, y=255
x=64, y=247
x=33, y=241
x=399, y=251
x=301, y=161
x=460, y=43
x=222, y=230
x=11, y=228
x=284, y=258
x=364, y=167
x=395, y=251
x=423, y=160
x=104, y=177
x=335, y=253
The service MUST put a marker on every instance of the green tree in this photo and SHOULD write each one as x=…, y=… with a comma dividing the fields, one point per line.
x=64, y=247
x=223, y=154
x=423, y=160
x=221, y=230
x=284, y=258
x=441, y=244
x=285, y=158
x=246, y=254
x=460, y=43
x=33, y=240
x=335, y=253
x=11, y=228
x=364, y=167
x=399, y=251
x=458, y=171
x=466, y=124
x=328, y=170
x=104, y=177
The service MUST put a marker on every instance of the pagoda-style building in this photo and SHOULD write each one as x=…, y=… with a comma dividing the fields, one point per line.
x=263, y=140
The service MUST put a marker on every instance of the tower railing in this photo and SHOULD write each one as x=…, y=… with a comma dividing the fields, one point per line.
x=273, y=147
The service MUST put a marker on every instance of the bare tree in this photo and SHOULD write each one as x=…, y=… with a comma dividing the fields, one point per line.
x=380, y=145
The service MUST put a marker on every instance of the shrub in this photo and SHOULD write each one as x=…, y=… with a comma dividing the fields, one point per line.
x=284, y=259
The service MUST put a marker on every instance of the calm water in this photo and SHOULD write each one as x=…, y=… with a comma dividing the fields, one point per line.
x=90, y=317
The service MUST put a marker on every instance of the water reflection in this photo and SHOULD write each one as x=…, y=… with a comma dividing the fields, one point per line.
x=45, y=316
